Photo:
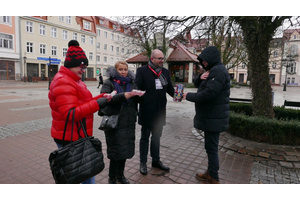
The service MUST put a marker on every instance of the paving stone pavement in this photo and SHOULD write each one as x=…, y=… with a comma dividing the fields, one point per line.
x=25, y=144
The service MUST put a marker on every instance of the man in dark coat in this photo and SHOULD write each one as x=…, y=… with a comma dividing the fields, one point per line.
x=156, y=81
x=212, y=107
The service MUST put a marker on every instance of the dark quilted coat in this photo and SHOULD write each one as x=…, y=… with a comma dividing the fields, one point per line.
x=68, y=91
x=121, y=142
x=212, y=97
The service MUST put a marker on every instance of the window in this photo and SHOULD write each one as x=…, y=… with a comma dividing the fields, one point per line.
x=6, y=41
x=65, y=35
x=293, y=80
x=118, y=38
x=74, y=36
x=90, y=56
x=5, y=19
x=98, y=45
x=275, y=54
x=61, y=18
x=68, y=19
x=118, y=49
x=65, y=50
x=294, y=50
x=274, y=65
x=98, y=58
x=101, y=21
x=91, y=41
x=87, y=25
x=42, y=49
x=105, y=34
x=105, y=59
x=98, y=32
x=112, y=36
x=295, y=37
x=122, y=50
x=53, y=32
x=29, y=27
x=105, y=47
x=42, y=29
x=112, y=61
x=83, y=38
x=112, y=48
x=53, y=50
x=292, y=67
x=29, y=47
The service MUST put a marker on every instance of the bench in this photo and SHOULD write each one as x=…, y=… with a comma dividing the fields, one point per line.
x=291, y=103
x=239, y=100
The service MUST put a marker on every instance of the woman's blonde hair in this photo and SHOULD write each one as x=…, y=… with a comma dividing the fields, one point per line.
x=121, y=62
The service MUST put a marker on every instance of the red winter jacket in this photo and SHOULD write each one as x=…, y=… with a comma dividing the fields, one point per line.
x=68, y=91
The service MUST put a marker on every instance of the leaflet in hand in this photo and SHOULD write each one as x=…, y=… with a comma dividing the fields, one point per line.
x=138, y=92
x=178, y=94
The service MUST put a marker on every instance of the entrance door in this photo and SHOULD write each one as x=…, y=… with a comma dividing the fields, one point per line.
x=241, y=78
x=7, y=70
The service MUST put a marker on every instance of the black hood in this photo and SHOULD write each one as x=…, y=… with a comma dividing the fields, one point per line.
x=211, y=55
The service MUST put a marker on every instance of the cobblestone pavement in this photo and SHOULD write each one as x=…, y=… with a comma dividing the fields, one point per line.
x=25, y=144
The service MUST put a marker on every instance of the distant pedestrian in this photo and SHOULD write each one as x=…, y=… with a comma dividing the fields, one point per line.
x=100, y=80
x=212, y=107
x=156, y=81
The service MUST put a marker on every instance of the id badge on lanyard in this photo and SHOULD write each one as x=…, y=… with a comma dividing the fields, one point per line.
x=158, y=84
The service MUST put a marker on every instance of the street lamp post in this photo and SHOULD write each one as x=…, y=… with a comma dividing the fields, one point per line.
x=24, y=77
x=50, y=72
x=287, y=66
x=286, y=71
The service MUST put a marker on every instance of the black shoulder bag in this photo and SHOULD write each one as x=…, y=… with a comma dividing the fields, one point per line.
x=110, y=122
x=77, y=161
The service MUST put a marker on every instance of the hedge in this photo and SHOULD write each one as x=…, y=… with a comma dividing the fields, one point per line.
x=284, y=129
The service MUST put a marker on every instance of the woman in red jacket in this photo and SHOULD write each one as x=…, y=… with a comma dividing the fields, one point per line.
x=68, y=91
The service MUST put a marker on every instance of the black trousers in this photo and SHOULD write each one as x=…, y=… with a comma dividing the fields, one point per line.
x=116, y=168
x=211, y=146
x=154, y=144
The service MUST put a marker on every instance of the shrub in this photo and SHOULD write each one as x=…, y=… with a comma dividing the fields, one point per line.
x=283, y=129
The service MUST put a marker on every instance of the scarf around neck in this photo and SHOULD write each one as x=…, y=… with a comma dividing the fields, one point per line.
x=162, y=78
x=122, y=81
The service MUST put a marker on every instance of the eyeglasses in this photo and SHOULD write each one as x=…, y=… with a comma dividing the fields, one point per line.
x=160, y=59
x=83, y=67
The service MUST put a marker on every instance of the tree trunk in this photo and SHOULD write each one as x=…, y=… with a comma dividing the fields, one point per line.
x=257, y=40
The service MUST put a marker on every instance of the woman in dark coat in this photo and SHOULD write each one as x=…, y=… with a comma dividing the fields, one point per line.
x=120, y=142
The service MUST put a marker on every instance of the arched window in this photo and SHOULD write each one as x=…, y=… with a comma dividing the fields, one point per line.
x=294, y=50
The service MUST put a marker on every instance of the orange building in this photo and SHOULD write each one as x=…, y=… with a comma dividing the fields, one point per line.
x=9, y=48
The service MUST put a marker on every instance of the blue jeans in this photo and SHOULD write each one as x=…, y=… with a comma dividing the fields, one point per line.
x=211, y=146
x=88, y=181
x=154, y=144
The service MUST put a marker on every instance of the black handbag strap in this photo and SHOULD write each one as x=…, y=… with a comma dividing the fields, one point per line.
x=67, y=119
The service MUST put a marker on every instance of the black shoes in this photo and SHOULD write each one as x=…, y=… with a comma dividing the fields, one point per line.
x=143, y=168
x=160, y=166
x=123, y=180
x=112, y=180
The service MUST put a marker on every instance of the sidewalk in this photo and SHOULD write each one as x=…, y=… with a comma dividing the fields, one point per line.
x=25, y=144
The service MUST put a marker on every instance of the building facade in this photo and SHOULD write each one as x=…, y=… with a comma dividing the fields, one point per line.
x=9, y=48
x=34, y=47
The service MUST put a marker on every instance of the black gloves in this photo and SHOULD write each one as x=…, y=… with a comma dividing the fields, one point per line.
x=102, y=102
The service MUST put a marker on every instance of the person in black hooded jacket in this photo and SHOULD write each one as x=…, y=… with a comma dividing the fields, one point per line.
x=212, y=107
x=121, y=142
